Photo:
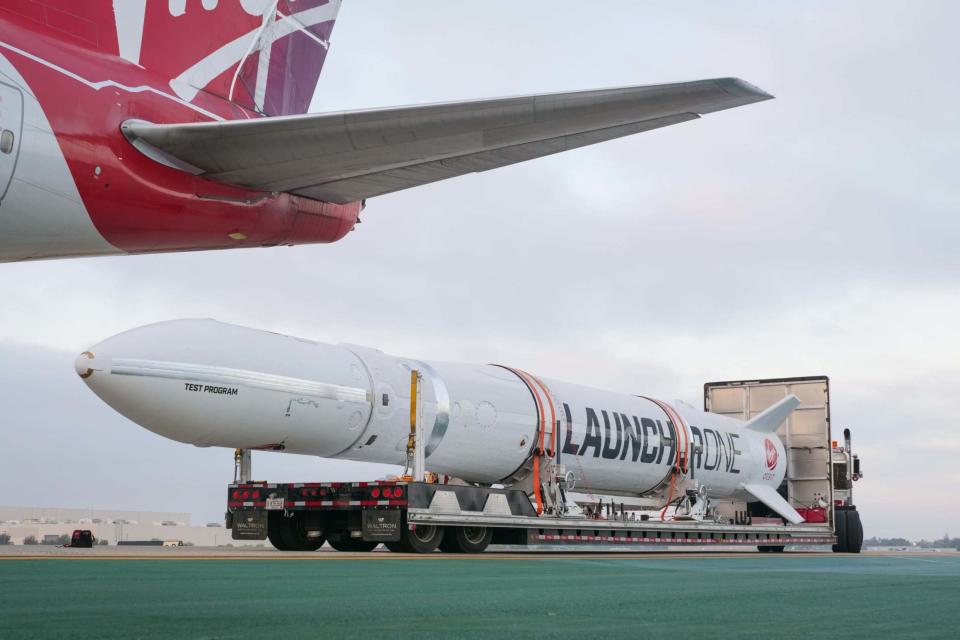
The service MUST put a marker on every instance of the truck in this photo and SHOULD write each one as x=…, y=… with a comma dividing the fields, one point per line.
x=423, y=512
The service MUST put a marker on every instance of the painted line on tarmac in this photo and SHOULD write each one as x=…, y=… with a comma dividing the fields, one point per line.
x=943, y=561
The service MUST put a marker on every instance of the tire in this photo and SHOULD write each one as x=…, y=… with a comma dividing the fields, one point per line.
x=466, y=539
x=346, y=543
x=854, y=532
x=278, y=541
x=840, y=529
x=288, y=534
x=421, y=539
x=276, y=531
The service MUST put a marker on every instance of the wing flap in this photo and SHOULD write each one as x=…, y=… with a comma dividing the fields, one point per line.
x=387, y=181
x=344, y=157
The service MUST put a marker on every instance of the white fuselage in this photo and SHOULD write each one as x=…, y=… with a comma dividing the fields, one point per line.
x=41, y=212
x=211, y=384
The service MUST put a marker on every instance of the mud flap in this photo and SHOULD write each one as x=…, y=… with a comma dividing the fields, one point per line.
x=249, y=524
x=381, y=525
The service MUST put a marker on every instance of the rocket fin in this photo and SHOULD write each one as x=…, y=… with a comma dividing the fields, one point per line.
x=771, y=418
x=769, y=496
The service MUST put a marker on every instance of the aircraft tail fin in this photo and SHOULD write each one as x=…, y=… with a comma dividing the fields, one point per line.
x=264, y=55
x=771, y=418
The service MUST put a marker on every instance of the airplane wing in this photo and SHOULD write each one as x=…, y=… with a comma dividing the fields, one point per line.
x=350, y=156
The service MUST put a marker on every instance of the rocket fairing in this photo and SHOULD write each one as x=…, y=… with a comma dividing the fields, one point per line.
x=208, y=383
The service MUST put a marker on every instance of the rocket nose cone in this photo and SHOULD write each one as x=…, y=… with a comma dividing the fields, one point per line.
x=142, y=374
x=85, y=364
x=207, y=383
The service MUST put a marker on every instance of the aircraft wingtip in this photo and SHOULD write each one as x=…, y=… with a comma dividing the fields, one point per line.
x=742, y=88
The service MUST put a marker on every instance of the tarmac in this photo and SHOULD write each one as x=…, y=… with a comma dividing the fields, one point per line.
x=149, y=552
x=154, y=592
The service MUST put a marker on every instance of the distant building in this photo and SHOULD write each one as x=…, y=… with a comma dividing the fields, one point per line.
x=49, y=523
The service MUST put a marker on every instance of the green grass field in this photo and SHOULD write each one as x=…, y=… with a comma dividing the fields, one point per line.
x=755, y=596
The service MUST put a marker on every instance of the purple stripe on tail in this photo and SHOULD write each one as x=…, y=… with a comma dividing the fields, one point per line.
x=298, y=38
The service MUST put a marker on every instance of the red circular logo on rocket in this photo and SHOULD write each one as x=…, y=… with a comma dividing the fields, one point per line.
x=772, y=454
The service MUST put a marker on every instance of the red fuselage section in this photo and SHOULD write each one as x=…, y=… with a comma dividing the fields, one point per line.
x=134, y=203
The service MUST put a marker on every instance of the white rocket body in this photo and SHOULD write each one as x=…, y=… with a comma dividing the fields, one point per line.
x=207, y=383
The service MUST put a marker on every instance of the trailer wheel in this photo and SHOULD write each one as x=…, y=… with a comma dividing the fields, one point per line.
x=466, y=539
x=421, y=539
x=854, y=531
x=289, y=534
x=840, y=529
x=278, y=541
x=346, y=543
x=276, y=531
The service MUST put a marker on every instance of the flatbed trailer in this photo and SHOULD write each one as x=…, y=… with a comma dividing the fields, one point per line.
x=422, y=516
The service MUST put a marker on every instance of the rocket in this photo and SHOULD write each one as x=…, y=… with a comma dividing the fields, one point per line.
x=212, y=384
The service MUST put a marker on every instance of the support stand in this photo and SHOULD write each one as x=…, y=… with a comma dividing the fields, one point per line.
x=242, y=465
x=415, y=454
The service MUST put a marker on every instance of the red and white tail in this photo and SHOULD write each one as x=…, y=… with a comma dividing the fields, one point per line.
x=265, y=55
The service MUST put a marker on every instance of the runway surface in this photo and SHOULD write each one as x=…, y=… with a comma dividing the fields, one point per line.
x=246, y=593
x=43, y=552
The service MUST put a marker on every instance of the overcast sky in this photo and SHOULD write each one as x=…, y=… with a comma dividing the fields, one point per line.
x=813, y=234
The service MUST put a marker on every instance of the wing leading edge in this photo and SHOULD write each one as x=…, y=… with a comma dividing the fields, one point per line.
x=350, y=156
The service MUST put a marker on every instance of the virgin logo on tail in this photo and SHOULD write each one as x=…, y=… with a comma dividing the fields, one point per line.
x=263, y=54
x=771, y=454
x=253, y=7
